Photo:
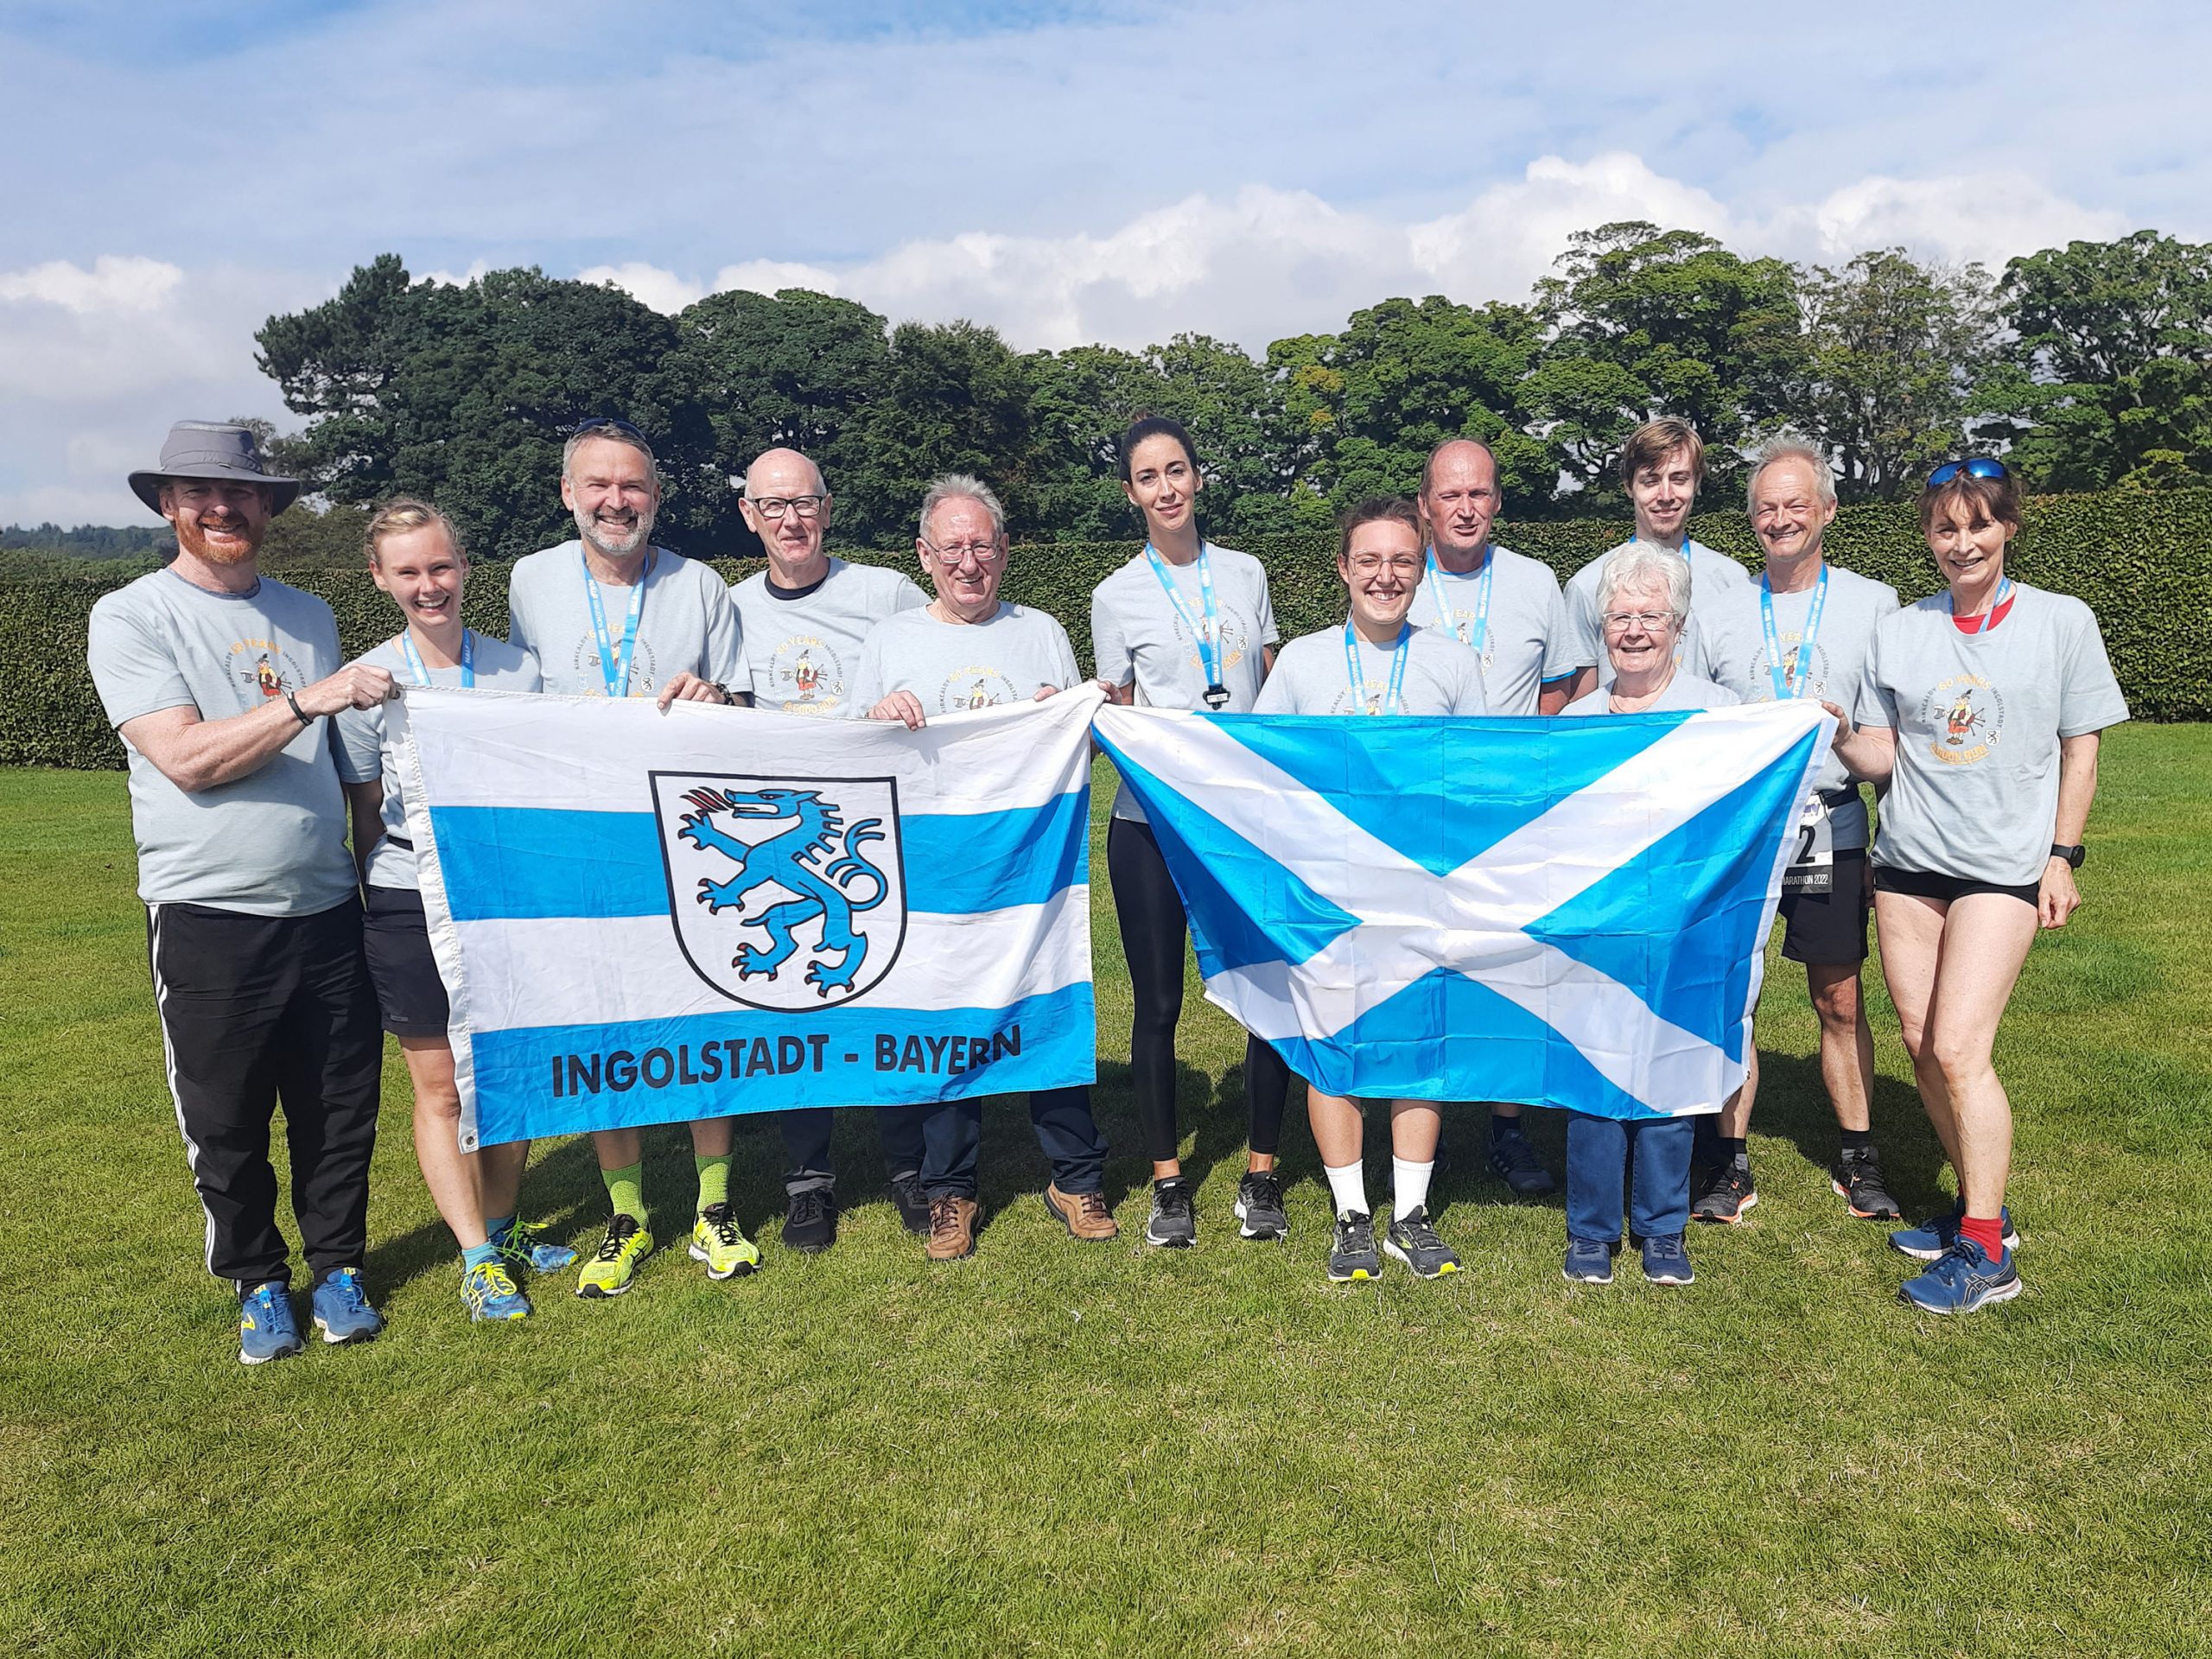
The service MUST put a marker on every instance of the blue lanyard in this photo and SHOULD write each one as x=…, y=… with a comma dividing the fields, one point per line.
x=2004, y=593
x=1209, y=638
x=616, y=671
x=1436, y=591
x=1776, y=672
x=1391, y=699
x=422, y=675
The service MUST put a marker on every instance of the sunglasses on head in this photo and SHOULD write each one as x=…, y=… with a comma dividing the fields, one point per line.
x=1979, y=466
x=606, y=424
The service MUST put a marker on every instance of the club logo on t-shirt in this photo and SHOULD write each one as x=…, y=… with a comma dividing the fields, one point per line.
x=264, y=668
x=1966, y=713
x=805, y=676
x=1234, y=643
x=591, y=680
x=973, y=688
x=1793, y=665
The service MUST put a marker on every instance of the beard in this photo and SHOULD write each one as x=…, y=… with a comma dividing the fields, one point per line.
x=610, y=538
x=192, y=538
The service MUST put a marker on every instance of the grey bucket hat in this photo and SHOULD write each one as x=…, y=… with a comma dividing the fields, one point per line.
x=212, y=449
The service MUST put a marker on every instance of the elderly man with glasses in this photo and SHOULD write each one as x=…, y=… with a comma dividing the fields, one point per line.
x=804, y=620
x=968, y=649
x=610, y=614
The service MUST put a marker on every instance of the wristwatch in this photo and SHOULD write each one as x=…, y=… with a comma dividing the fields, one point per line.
x=2072, y=855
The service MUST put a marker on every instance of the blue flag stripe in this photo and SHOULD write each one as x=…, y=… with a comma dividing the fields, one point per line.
x=565, y=1079
x=525, y=863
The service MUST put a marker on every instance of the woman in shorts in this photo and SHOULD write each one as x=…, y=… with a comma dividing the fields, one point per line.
x=1377, y=662
x=1980, y=708
x=417, y=556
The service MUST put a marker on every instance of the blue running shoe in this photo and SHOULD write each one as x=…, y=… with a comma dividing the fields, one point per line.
x=1936, y=1235
x=521, y=1250
x=1962, y=1278
x=267, y=1329
x=1589, y=1262
x=342, y=1312
x=1665, y=1260
x=488, y=1294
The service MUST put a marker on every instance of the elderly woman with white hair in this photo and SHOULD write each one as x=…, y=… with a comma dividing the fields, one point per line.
x=1643, y=600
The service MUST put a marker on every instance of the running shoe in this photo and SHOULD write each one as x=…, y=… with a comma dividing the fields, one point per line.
x=612, y=1267
x=1961, y=1280
x=1410, y=1239
x=1353, y=1255
x=267, y=1329
x=489, y=1294
x=913, y=1203
x=341, y=1308
x=1857, y=1178
x=1514, y=1161
x=1589, y=1262
x=1938, y=1233
x=521, y=1250
x=1260, y=1213
x=1171, y=1226
x=810, y=1220
x=717, y=1241
x=1083, y=1214
x=1665, y=1260
x=1728, y=1192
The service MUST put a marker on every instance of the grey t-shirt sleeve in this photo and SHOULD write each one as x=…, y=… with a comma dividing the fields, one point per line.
x=1269, y=634
x=134, y=668
x=1582, y=638
x=1109, y=648
x=1561, y=659
x=1876, y=705
x=725, y=654
x=2089, y=696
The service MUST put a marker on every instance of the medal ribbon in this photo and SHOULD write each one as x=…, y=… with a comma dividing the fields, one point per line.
x=1776, y=673
x=1398, y=653
x=1209, y=638
x=615, y=672
x=421, y=675
x=1436, y=591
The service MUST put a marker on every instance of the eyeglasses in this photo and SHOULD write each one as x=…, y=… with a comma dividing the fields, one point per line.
x=1370, y=564
x=774, y=507
x=986, y=554
x=1979, y=466
x=1650, y=621
x=606, y=424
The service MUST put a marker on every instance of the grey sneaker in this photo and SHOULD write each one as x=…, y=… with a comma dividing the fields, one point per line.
x=1411, y=1240
x=1857, y=1181
x=1260, y=1213
x=1514, y=1161
x=1171, y=1226
x=1353, y=1255
x=1728, y=1192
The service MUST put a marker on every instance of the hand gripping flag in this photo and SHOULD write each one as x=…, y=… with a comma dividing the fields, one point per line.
x=1563, y=912
x=642, y=917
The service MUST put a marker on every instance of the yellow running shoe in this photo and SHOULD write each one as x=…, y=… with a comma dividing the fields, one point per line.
x=611, y=1268
x=717, y=1241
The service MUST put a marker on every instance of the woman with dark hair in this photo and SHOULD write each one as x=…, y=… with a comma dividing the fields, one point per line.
x=1183, y=625
x=1980, y=708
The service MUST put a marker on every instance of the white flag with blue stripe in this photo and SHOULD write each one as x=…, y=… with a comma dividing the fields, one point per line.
x=1564, y=913
x=643, y=918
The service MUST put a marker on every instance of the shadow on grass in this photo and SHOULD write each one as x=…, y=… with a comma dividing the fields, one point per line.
x=1793, y=1106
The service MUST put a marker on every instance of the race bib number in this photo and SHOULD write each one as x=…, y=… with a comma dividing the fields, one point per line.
x=1812, y=864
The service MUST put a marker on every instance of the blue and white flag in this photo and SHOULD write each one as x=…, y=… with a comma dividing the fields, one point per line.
x=642, y=917
x=1563, y=912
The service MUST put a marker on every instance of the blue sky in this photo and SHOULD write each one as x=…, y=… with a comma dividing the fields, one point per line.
x=1067, y=173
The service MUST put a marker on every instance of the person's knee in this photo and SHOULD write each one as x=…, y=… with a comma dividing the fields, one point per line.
x=440, y=1106
x=1839, y=1006
x=1961, y=1058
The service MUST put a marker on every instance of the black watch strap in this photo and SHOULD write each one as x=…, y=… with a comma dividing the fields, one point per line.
x=2072, y=855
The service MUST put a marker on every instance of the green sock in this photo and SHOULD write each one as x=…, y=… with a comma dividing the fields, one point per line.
x=714, y=1179
x=625, y=1190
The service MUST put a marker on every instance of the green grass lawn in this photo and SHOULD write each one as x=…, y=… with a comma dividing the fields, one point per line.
x=1055, y=1447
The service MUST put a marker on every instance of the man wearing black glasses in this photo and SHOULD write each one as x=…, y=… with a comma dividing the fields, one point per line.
x=610, y=614
x=803, y=620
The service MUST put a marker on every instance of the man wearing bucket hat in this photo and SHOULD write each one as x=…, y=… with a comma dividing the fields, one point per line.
x=219, y=680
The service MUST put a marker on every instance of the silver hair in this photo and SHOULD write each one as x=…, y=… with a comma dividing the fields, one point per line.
x=612, y=435
x=1645, y=564
x=1787, y=445
x=963, y=486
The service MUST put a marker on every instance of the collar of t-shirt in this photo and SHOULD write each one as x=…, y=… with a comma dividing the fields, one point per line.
x=1987, y=622
x=776, y=591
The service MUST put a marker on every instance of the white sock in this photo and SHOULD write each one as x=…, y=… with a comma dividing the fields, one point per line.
x=1348, y=1186
x=1410, y=1185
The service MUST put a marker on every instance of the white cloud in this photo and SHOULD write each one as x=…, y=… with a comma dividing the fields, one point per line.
x=663, y=290
x=114, y=284
x=1988, y=217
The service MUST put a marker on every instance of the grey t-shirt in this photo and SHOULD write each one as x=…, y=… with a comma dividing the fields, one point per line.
x=1732, y=651
x=688, y=624
x=272, y=842
x=1685, y=694
x=365, y=738
x=1311, y=677
x=1978, y=717
x=1525, y=639
x=802, y=651
x=1136, y=635
x=1713, y=575
x=955, y=665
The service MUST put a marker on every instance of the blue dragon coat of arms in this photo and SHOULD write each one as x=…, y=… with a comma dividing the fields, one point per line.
x=787, y=892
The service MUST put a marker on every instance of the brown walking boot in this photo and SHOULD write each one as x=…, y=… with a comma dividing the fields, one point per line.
x=952, y=1227
x=1083, y=1214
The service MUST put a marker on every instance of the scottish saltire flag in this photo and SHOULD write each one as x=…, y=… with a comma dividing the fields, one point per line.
x=642, y=917
x=1563, y=912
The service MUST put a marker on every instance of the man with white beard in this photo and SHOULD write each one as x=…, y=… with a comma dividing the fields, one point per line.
x=610, y=614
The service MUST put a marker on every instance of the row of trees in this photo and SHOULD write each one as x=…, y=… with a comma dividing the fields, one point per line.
x=2089, y=365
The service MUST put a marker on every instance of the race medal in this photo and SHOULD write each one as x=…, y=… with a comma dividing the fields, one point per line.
x=1217, y=696
x=1812, y=862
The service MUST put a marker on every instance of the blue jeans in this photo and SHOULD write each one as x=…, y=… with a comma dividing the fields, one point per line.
x=806, y=1146
x=1596, y=1168
x=952, y=1134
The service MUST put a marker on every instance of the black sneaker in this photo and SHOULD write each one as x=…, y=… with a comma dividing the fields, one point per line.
x=1173, y=1225
x=1259, y=1205
x=913, y=1203
x=1856, y=1180
x=810, y=1220
x=1515, y=1163
x=1411, y=1240
x=1726, y=1194
x=1353, y=1255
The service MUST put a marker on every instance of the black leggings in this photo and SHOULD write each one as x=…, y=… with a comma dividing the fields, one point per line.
x=1155, y=935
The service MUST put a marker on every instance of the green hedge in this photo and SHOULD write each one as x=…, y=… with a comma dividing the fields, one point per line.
x=2142, y=561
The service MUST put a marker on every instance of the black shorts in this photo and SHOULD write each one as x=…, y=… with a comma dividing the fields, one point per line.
x=1926, y=884
x=396, y=941
x=1828, y=930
